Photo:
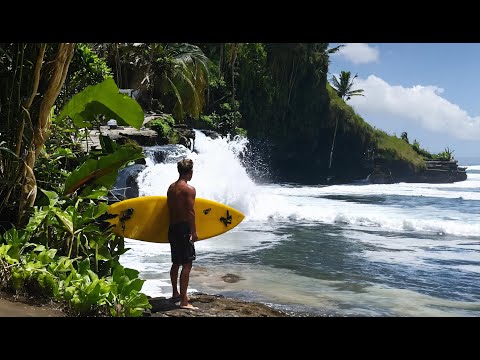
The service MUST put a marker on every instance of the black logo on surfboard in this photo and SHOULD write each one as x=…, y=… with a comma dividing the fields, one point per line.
x=206, y=211
x=126, y=215
x=227, y=220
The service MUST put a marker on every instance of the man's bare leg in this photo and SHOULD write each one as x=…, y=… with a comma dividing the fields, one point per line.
x=174, y=279
x=184, y=279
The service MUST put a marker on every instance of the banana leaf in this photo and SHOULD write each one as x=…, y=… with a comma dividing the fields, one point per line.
x=103, y=171
x=103, y=99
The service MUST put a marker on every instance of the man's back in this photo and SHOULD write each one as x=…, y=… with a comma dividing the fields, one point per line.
x=180, y=200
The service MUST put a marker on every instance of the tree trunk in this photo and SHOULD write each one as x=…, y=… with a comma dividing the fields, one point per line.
x=333, y=142
x=222, y=50
x=55, y=82
x=291, y=83
x=234, y=58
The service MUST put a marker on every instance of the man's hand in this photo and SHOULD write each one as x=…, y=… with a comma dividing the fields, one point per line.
x=194, y=237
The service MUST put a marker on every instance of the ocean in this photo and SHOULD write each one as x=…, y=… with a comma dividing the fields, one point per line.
x=403, y=250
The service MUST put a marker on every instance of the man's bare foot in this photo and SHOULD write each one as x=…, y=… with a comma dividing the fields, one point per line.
x=189, y=306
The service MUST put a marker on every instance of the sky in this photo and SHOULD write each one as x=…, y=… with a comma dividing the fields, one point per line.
x=430, y=91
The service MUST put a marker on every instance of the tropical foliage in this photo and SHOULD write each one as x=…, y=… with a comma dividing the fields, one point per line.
x=31, y=77
x=102, y=100
x=445, y=155
x=168, y=77
x=86, y=68
x=61, y=247
x=163, y=125
x=39, y=269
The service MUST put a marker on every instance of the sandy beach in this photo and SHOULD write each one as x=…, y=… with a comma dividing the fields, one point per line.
x=12, y=306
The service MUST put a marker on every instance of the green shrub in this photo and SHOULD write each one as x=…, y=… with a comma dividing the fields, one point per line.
x=70, y=281
x=208, y=122
x=163, y=125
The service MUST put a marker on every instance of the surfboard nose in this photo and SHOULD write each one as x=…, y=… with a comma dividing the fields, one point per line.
x=236, y=217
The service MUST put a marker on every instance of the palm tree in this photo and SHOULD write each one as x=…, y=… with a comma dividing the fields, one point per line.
x=180, y=69
x=187, y=76
x=162, y=69
x=344, y=86
x=344, y=90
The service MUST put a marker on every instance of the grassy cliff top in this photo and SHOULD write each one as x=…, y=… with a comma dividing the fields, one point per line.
x=388, y=147
x=393, y=148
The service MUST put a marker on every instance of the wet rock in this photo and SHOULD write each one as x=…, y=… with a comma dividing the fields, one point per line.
x=231, y=278
x=210, y=306
x=211, y=134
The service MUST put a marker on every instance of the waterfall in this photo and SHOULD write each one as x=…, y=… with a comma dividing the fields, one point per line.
x=218, y=171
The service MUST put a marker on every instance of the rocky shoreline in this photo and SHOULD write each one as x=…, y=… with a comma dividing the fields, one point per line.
x=208, y=306
x=211, y=306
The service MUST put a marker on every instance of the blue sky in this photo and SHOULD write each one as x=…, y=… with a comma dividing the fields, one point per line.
x=431, y=91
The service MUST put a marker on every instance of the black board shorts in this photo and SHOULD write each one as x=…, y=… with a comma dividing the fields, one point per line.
x=182, y=248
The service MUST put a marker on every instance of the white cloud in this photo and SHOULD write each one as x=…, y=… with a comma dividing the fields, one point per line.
x=359, y=53
x=423, y=105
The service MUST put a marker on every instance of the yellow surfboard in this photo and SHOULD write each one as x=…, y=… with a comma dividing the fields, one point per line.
x=147, y=218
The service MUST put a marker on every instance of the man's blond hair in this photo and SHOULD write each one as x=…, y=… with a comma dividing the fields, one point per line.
x=185, y=166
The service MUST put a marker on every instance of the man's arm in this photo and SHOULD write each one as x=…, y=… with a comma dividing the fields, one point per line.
x=191, y=212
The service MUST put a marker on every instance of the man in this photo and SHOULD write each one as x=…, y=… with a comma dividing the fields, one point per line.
x=182, y=232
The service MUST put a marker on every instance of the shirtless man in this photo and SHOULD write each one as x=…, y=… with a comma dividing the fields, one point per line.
x=182, y=232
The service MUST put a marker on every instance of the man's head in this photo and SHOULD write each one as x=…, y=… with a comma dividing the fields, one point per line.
x=185, y=168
